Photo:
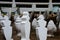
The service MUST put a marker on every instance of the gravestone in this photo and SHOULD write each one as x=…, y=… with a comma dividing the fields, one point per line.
x=25, y=27
x=41, y=31
x=51, y=26
x=26, y=15
x=18, y=24
x=34, y=23
x=7, y=29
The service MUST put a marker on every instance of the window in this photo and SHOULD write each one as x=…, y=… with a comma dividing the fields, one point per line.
x=56, y=5
x=5, y=5
x=55, y=1
x=7, y=0
x=24, y=5
x=32, y=0
x=42, y=6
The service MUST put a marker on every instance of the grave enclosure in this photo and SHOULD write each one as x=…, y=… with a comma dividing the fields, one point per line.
x=22, y=24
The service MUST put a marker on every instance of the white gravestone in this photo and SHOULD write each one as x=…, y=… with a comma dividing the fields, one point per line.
x=41, y=31
x=26, y=15
x=18, y=24
x=34, y=23
x=7, y=29
x=25, y=27
x=51, y=28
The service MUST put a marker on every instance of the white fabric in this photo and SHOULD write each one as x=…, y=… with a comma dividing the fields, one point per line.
x=25, y=27
x=51, y=26
x=7, y=32
x=6, y=23
x=41, y=31
x=25, y=13
x=18, y=19
x=41, y=17
x=41, y=22
x=7, y=28
x=34, y=23
x=18, y=23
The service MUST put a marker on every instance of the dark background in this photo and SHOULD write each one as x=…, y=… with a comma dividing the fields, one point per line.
x=32, y=0
x=9, y=5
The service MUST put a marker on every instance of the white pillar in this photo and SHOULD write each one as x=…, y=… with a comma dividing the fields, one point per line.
x=33, y=7
x=13, y=6
x=50, y=5
x=13, y=3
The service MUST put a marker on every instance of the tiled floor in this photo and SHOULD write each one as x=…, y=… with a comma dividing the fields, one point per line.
x=32, y=37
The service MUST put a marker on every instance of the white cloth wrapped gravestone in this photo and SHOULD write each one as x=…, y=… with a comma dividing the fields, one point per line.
x=51, y=26
x=34, y=23
x=26, y=15
x=25, y=27
x=7, y=29
x=18, y=24
x=41, y=31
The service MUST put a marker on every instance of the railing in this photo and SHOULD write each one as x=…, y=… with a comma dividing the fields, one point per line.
x=2, y=2
x=50, y=4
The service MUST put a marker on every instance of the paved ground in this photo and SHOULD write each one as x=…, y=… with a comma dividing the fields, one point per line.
x=32, y=37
